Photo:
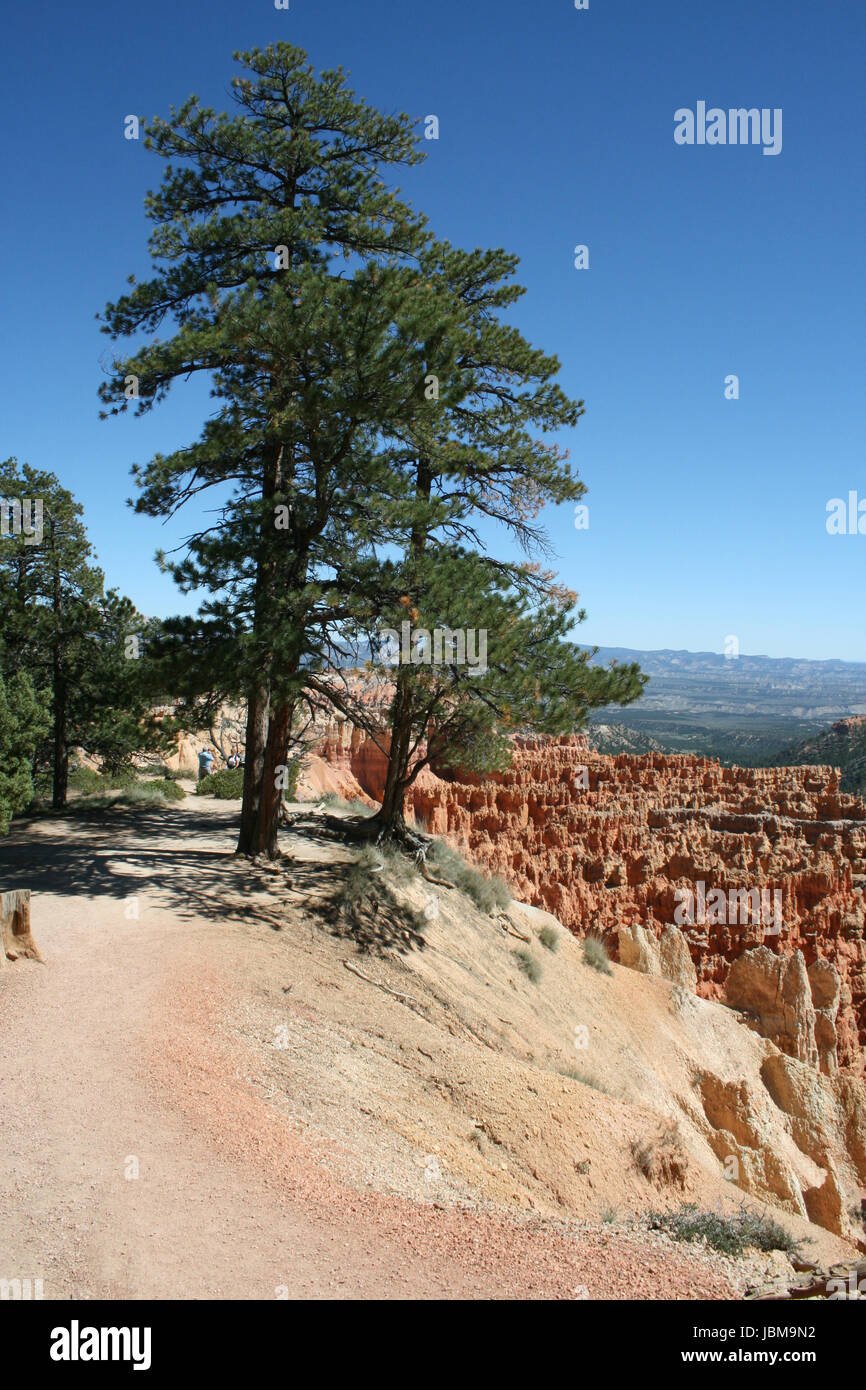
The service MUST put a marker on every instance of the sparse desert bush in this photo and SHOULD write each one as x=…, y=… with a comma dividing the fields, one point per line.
x=293, y=772
x=137, y=793
x=375, y=859
x=663, y=1159
x=88, y=782
x=339, y=803
x=585, y=1079
x=488, y=894
x=225, y=785
x=747, y=1229
x=549, y=938
x=529, y=965
x=43, y=784
x=595, y=955
x=119, y=778
x=153, y=792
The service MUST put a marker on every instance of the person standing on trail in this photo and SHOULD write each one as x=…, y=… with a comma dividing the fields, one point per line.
x=205, y=763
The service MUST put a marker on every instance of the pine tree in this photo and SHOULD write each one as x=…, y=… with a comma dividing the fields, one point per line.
x=246, y=250
x=62, y=630
x=24, y=719
x=470, y=452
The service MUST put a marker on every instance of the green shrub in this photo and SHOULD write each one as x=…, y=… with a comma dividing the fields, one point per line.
x=226, y=785
x=172, y=791
x=91, y=783
x=120, y=778
x=294, y=772
x=549, y=938
x=529, y=965
x=730, y=1234
x=488, y=894
x=86, y=780
x=595, y=955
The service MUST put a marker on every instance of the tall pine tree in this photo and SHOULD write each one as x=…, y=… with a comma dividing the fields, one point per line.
x=250, y=228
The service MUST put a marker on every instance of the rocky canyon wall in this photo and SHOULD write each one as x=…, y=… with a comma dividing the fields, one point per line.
x=610, y=843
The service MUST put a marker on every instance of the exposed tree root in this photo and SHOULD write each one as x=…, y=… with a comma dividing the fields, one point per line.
x=421, y=863
x=414, y=843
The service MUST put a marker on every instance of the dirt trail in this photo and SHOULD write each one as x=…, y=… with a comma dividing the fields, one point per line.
x=101, y=1071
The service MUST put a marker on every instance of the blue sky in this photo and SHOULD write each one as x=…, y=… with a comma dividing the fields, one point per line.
x=707, y=515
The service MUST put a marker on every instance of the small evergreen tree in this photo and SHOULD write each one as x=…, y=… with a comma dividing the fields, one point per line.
x=24, y=719
x=60, y=628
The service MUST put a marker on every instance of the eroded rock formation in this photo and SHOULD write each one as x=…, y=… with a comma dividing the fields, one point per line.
x=609, y=843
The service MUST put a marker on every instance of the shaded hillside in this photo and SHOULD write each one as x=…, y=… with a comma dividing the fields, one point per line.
x=843, y=746
x=741, y=740
x=619, y=738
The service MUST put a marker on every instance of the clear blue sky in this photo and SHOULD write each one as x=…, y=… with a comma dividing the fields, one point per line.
x=707, y=516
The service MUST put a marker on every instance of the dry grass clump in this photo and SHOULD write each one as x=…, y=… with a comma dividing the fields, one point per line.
x=529, y=965
x=595, y=955
x=488, y=894
x=549, y=938
x=662, y=1159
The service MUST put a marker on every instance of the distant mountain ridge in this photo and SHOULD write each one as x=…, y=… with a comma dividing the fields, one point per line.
x=749, y=710
x=708, y=682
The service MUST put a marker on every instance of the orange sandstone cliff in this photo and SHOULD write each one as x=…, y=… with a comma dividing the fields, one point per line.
x=615, y=846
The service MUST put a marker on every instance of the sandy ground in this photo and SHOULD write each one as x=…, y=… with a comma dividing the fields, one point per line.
x=163, y=1132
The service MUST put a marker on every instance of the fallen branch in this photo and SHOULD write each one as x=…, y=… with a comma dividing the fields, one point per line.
x=378, y=983
x=508, y=926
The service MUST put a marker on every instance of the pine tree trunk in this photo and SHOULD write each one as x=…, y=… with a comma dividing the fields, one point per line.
x=59, y=690
x=254, y=761
x=259, y=700
x=275, y=756
x=61, y=752
x=391, y=817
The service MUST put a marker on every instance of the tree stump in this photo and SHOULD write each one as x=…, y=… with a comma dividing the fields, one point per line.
x=15, y=938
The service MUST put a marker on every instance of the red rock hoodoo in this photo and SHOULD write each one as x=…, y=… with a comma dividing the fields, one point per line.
x=607, y=842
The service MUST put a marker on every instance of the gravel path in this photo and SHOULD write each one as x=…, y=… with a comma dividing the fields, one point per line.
x=137, y=1163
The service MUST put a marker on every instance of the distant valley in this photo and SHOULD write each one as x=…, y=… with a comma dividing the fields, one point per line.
x=752, y=710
